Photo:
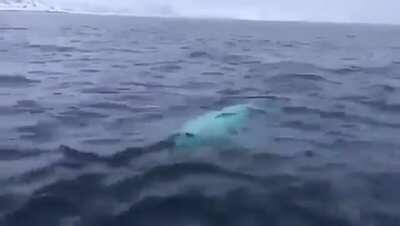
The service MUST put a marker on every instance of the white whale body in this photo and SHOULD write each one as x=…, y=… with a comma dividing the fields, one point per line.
x=213, y=128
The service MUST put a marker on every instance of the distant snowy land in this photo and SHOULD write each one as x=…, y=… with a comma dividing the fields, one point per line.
x=29, y=5
x=131, y=7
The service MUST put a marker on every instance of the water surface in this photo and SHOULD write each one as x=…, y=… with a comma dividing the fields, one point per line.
x=87, y=102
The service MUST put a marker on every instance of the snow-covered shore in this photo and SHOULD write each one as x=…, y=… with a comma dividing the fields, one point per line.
x=25, y=5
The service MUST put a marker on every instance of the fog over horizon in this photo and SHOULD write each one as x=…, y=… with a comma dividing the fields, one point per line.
x=364, y=11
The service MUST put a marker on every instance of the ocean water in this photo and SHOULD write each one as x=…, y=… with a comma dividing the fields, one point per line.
x=87, y=104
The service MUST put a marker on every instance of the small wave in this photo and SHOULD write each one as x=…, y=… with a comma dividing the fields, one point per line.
x=52, y=48
x=167, y=68
x=14, y=28
x=213, y=73
x=302, y=125
x=16, y=81
x=383, y=105
x=151, y=85
x=88, y=70
x=12, y=154
x=101, y=90
x=301, y=76
x=339, y=115
x=200, y=54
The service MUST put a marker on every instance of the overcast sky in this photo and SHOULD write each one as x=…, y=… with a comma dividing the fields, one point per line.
x=369, y=11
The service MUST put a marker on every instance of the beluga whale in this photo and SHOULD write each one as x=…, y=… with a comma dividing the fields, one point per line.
x=215, y=128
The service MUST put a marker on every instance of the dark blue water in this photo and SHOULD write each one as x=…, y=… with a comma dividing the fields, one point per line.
x=87, y=104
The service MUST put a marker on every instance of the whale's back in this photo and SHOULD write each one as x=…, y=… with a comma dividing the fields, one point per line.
x=213, y=127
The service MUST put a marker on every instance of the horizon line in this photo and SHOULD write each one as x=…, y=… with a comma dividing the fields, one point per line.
x=93, y=13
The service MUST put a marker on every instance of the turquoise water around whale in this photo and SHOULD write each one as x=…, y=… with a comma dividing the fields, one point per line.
x=88, y=105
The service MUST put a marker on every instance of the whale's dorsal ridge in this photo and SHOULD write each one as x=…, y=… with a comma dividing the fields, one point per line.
x=189, y=134
x=223, y=115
